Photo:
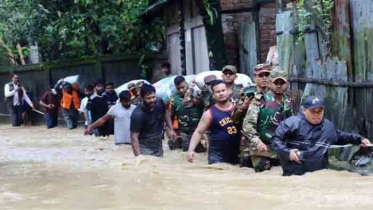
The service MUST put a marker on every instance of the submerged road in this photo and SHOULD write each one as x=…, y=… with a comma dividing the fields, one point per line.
x=61, y=169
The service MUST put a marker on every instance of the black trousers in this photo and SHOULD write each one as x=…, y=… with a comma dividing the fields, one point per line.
x=15, y=114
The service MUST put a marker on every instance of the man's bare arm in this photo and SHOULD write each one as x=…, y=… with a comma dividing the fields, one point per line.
x=43, y=104
x=86, y=117
x=167, y=119
x=101, y=121
x=135, y=143
x=98, y=123
x=203, y=126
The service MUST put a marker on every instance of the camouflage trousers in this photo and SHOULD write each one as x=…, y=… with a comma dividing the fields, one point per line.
x=183, y=141
x=260, y=161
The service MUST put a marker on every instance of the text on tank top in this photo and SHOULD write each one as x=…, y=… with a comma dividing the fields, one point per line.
x=222, y=127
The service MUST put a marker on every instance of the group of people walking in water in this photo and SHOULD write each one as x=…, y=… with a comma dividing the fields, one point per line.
x=254, y=126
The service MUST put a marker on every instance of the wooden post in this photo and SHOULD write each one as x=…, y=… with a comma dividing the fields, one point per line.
x=257, y=28
x=341, y=41
x=281, y=5
x=182, y=37
x=248, y=47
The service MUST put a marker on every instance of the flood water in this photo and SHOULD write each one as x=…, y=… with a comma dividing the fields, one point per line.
x=61, y=169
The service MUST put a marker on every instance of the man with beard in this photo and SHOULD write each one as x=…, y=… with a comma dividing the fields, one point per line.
x=98, y=107
x=224, y=136
x=302, y=141
x=147, y=124
x=110, y=94
x=187, y=109
x=111, y=99
x=121, y=113
x=265, y=113
x=15, y=97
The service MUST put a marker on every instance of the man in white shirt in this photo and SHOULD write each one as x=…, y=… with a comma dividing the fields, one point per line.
x=121, y=113
x=88, y=91
x=15, y=97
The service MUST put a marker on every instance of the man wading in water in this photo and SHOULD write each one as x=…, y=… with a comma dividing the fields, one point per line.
x=147, y=124
x=302, y=141
x=224, y=136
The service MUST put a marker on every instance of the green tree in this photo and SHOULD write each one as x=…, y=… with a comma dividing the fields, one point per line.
x=66, y=29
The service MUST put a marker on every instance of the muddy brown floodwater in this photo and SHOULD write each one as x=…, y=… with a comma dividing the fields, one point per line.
x=61, y=169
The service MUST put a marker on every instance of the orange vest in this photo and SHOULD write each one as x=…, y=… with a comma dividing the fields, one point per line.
x=67, y=99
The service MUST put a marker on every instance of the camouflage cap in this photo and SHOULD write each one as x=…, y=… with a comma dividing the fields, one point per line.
x=278, y=74
x=263, y=67
x=230, y=68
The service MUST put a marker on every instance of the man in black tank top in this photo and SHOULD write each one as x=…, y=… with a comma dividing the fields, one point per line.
x=224, y=136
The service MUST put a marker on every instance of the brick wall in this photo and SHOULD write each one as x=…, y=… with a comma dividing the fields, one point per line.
x=230, y=23
x=236, y=4
x=267, y=22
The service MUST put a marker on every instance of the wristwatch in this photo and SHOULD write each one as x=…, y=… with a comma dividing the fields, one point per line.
x=299, y=154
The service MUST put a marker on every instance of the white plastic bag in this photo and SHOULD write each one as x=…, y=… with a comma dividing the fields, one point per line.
x=165, y=88
x=119, y=89
x=242, y=79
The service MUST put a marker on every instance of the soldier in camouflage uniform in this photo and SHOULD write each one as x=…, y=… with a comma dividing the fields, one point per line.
x=263, y=116
x=206, y=93
x=261, y=75
x=135, y=92
x=188, y=111
x=229, y=76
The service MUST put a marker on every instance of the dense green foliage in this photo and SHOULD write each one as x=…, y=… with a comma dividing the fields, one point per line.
x=323, y=10
x=68, y=29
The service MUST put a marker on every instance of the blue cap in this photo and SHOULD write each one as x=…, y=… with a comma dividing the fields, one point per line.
x=312, y=102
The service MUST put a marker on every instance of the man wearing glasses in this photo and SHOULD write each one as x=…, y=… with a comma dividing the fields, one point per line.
x=261, y=75
x=229, y=76
x=263, y=116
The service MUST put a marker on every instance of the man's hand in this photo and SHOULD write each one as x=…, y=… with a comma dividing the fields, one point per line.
x=293, y=156
x=32, y=107
x=50, y=106
x=261, y=147
x=191, y=156
x=172, y=134
x=245, y=105
x=365, y=143
x=192, y=84
x=204, y=143
x=88, y=130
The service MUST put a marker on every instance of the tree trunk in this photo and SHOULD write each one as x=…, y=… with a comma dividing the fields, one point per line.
x=8, y=53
